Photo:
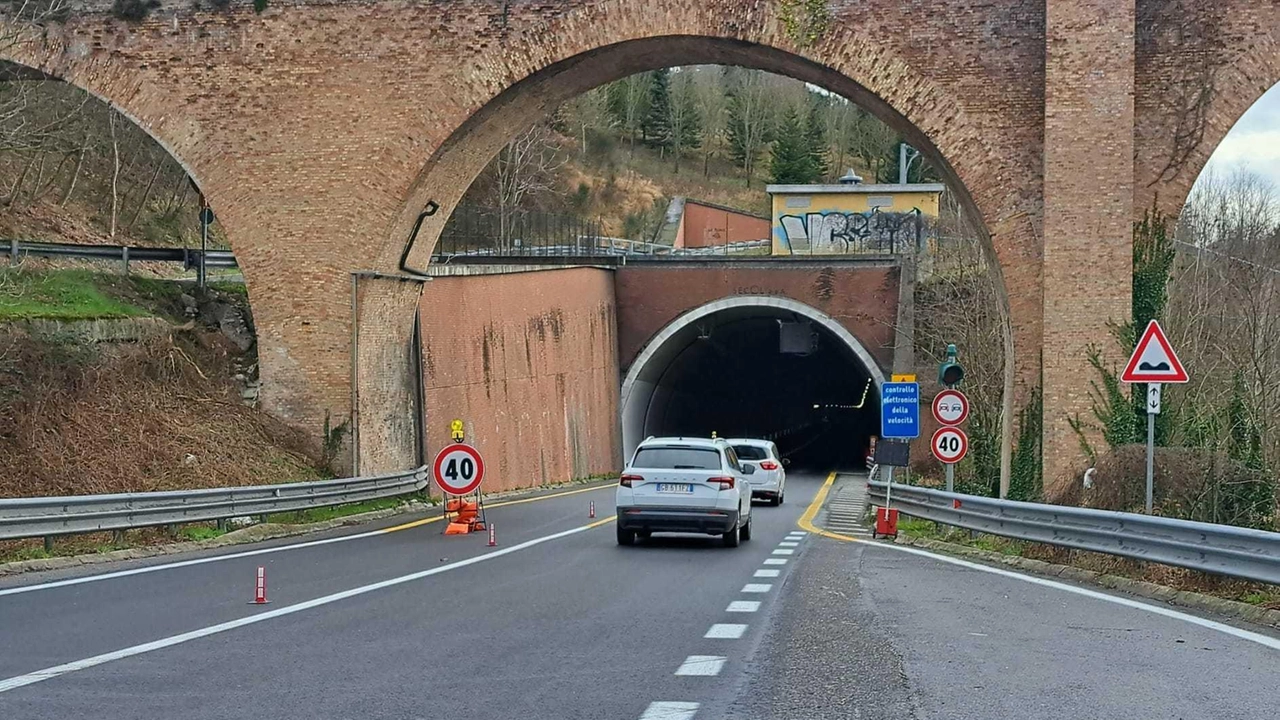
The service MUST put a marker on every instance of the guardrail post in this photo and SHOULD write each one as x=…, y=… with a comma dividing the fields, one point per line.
x=124, y=259
x=48, y=543
x=13, y=251
x=117, y=537
x=222, y=524
x=262, y=519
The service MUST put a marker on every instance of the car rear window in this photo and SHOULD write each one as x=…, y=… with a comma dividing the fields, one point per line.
x=750, y=452
x=677, y=458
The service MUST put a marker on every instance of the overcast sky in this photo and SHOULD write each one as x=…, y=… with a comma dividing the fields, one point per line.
x=1254, y=142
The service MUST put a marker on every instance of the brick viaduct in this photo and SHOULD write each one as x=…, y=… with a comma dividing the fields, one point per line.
x=320, y=130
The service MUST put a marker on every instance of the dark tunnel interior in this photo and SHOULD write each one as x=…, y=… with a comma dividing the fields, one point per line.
x=762, y=376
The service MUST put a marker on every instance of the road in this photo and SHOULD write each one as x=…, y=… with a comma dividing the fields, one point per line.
x=559, y=622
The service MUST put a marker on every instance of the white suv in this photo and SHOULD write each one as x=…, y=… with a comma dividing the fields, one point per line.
x=681, y=484
x=770, y=480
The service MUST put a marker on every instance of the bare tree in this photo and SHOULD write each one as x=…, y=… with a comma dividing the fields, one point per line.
x=590, y=111
x=524, y=167
x=871, y=140
x=710, y=102
x=682, y=114
x=749, y=114
x=629, y=99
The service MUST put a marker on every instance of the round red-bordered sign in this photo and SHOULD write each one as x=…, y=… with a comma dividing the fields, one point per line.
x=950, y=445
x=458, y=469
x=950, y=407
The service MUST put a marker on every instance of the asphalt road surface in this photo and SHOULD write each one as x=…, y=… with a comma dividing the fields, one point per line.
x=558, y=622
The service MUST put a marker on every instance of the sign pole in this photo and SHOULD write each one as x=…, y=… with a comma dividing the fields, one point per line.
x=1153, y=409
x=951, y=477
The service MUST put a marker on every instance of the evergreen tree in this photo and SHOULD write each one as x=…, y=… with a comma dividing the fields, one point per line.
x=657, y=123
x=747, y=117
x=815, y=138
x=791, y=163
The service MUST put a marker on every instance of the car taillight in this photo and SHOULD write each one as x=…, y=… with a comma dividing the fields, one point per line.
x=725, y=483
x=768, y=465
x=626, y=480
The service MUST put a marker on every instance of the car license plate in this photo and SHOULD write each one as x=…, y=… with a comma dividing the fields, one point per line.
x=675, y=488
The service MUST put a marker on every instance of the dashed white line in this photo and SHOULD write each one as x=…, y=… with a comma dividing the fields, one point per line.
x=788, y=544
x=701, y=665
x=767, y=573
x=784, y=551
x=775, y=561
x=670, y=711
x=726, y=631
x=757, y=588
x=743, y=606
x=798, y=533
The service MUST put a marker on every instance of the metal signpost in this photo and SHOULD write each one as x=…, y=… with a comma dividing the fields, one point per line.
x=899, y=420
x=458, y=470
x=1153, y=362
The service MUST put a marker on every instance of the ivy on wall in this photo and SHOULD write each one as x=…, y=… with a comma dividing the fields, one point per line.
x=804, y=21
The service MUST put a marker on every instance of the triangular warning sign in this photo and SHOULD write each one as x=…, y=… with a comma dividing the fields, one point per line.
x=1153, y=360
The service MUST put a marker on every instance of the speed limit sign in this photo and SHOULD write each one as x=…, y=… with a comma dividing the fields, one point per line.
x=458, y=469
x=950, y=445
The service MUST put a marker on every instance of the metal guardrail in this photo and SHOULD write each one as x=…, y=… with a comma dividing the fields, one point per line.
x=1220, y=549
x=74, y=514
x=125, y=254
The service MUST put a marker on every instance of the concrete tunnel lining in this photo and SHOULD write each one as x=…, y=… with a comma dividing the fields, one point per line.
x=644, y=376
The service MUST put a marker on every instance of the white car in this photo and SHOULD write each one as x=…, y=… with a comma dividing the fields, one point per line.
x=770, y=479
x=678, y=484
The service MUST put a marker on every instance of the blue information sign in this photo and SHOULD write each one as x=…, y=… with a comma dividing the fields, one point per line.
x=900, y=410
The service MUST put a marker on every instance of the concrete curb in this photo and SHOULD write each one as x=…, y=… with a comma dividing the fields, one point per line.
x=1141, y=588
x=250, y=534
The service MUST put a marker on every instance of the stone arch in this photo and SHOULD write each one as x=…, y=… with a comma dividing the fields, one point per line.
x=977, y=153
x=1232, y=51
x=641, y=380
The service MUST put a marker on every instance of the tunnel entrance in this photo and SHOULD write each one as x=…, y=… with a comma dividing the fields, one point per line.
x=757, y=367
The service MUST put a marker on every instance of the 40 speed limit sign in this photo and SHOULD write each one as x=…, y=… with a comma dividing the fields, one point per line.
x=950, y=445
x=458, y=469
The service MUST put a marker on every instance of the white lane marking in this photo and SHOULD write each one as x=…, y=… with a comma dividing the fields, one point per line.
x=784, y=551
x=757, y=587
x=775, y=561
x=185, y=563
x=726, y=631
x=1259, y=638
x=788, y=544
x=52, y=672
x=798, y=533
x=743, y=606
x=767, y=573
x=201, y=561
x=701, y=665
x=670, y=711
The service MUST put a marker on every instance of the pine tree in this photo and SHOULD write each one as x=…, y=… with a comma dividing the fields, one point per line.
x=657, y=123
x=815, y=137
x=790, y=162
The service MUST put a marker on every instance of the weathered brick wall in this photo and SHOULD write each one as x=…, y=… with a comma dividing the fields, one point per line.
x=319, y=130
x=528, y=361
x=862, y=297
x=707, y=226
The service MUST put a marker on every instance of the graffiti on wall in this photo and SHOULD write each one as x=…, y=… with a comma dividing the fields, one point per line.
x=851, y=232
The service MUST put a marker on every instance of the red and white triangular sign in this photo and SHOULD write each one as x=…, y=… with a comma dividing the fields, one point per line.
x=1153, y=360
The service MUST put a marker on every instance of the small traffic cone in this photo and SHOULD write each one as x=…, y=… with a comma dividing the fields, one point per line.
x=592, y=512
x=493, y=536
x=260, y=592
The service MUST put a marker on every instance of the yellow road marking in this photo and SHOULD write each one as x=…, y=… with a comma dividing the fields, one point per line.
x=806, y=520
x=598, y=523
x=438, y=518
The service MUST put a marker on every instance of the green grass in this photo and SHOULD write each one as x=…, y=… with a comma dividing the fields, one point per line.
x=62, y=295
x=200, y=532
x=313, y=515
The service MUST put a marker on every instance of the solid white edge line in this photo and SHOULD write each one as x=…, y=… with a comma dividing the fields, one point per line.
x=725, y=631
x=52, y=672
x=1258, y=638
x=186, y=563
x=701, y=666
x=743, y=606
x=670, y=711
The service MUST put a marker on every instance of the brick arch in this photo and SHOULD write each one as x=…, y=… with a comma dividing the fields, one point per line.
x=1235, y=46
x=548, y=69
